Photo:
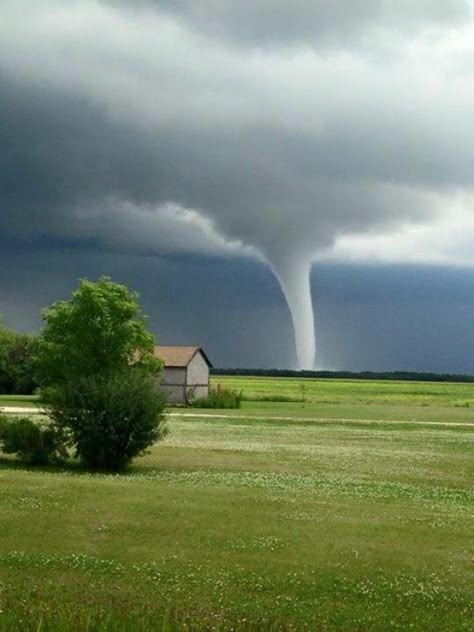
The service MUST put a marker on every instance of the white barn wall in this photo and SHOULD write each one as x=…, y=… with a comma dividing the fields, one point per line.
x=172, y=383
x=198, y=377
x=175, y=394
x=174, y=375
x=198, y=371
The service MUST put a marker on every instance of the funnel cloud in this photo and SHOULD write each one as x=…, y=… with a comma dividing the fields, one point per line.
x=234, y=131
x=293, y=275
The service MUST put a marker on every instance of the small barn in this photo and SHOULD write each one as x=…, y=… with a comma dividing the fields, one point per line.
x=185, y=374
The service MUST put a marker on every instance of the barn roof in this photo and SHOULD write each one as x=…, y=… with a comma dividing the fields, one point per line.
x=179, y=356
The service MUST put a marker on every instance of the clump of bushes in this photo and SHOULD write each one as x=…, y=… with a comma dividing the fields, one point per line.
x=35, y=443
x=17, y=357
x=219, y=398
x=272, y=397
x=109, y=421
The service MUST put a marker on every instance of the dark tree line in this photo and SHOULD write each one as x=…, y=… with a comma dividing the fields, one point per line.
x=17, y=353
x=349, y=375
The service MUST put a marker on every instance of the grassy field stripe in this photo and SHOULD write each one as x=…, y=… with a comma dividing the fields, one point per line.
x=323, y=419
x=328, y=420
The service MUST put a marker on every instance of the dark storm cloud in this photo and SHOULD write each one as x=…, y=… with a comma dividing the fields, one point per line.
x=267, y=146
x=248, y=324
x=66, y=154
x=369, y=317
x=233, y=127
x=68, y=168
x=395, y=317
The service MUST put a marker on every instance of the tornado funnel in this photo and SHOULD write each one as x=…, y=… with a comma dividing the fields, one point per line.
x=293, y=275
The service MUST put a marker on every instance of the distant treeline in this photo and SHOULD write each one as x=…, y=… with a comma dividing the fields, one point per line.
x=349, y=375
x=17, y=352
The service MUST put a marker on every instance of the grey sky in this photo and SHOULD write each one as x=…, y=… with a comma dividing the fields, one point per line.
x=330, y=131
x=305, y=22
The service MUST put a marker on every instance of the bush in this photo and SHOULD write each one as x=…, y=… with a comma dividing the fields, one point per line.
x=219, y=398
x=34, y=443
x=17, y=357
x=20, y=363
x=109, y=421
x=272, y=397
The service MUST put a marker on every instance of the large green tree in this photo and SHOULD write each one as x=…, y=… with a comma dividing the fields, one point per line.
x=99, y=331
x=96, y=367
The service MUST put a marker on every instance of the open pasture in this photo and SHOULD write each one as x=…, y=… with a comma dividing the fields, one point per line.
x=342, y=391
x=269, y=517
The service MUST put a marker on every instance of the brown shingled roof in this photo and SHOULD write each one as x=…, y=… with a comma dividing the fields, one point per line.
x=178, y=356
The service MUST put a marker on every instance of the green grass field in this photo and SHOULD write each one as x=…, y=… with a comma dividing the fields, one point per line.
x=349, y=512
x=368, y=392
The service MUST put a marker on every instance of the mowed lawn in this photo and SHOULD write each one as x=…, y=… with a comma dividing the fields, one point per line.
x=280, y=516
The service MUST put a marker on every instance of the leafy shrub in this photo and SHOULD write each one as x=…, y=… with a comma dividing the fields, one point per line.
x=34, y=443
x=17, y=357
x=100, y=331
x=109, y=421
x=219, y=398
x=272, y=397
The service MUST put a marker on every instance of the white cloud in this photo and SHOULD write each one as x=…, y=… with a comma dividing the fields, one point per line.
x=446, y=239
x=168, y=229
